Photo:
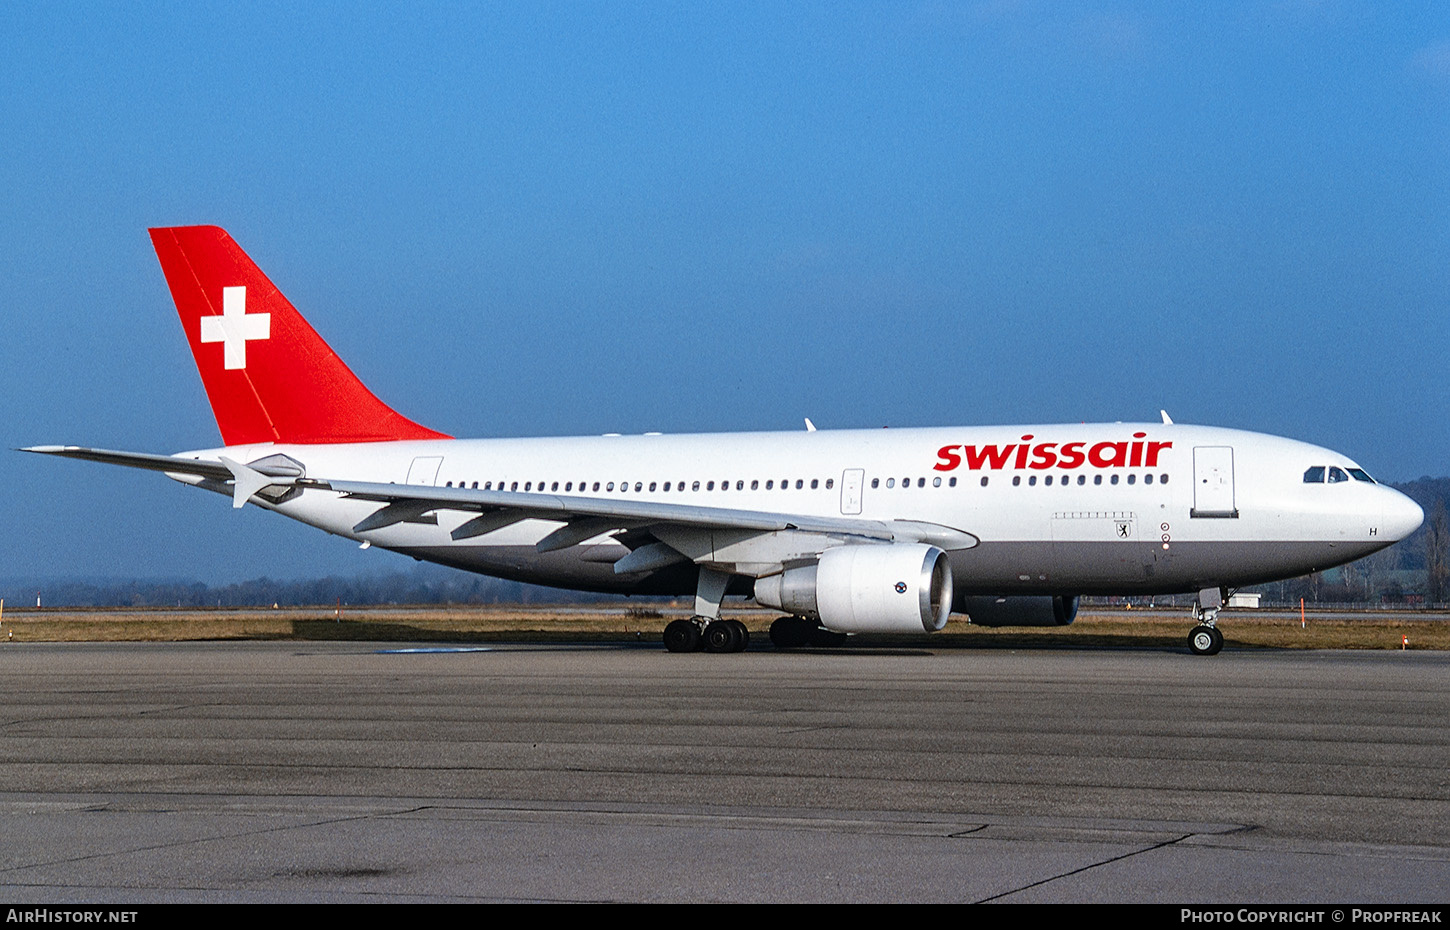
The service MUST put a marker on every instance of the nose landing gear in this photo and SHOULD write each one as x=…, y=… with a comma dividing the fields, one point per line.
x=1205, y=639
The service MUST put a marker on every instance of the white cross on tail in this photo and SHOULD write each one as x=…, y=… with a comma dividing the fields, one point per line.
x=234, y=327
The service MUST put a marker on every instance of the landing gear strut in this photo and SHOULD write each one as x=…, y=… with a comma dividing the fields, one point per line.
x=706, y=629
x=1206, y=640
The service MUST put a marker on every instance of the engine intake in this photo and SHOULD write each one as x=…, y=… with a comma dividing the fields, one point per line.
x=896, y=588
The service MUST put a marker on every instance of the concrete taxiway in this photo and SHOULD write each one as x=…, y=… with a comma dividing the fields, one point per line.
x=356, y=772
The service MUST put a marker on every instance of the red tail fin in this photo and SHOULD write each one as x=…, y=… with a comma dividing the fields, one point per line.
x=268, y=375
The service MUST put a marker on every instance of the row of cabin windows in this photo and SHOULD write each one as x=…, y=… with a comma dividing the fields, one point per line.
x=815, y=483
x=584, y=486
x=1082, y=479
x=920, y=482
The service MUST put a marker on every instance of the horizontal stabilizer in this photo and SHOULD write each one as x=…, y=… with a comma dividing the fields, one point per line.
x=201, y=468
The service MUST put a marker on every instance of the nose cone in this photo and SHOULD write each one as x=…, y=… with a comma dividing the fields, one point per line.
x=1402, y=516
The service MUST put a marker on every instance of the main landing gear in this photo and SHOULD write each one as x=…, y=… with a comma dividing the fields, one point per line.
x=706, y=629
x=1206, y=640
x=699, y=633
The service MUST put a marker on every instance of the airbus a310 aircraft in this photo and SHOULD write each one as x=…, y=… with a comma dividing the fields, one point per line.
x=842, y=530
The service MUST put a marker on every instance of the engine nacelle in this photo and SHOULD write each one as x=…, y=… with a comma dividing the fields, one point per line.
x=1021, y=611
x=870, y=588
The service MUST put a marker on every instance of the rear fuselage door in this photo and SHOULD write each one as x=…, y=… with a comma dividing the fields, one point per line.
x=424, y=470
x=1213, y=482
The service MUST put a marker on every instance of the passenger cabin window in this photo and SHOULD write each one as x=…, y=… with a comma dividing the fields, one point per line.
x=1314, y=475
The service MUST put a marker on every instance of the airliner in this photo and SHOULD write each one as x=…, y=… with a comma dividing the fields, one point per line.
x=842, y=531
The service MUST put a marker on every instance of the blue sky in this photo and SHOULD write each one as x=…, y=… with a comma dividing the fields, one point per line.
x=535, y=218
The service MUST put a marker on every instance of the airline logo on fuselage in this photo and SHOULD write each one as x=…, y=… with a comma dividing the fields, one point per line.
x=1139, y=452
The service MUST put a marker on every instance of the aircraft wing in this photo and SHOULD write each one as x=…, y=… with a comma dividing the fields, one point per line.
x=662, y=533
x=567, y=507
x=745, y=541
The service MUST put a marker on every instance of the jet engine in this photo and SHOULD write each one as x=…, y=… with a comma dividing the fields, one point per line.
x=869, y=588
x=1059, y=610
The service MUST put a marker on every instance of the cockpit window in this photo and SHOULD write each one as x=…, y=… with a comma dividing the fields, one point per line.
x=1337, y=475
x=1359, y=474
x=1314, y=475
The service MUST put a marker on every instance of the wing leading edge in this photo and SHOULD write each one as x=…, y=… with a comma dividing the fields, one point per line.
x=659, y=534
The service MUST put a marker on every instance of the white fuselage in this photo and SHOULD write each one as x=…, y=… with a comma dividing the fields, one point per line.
x=1080, y=509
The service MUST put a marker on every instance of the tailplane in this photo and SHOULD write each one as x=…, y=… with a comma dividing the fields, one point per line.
x=268, y=375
